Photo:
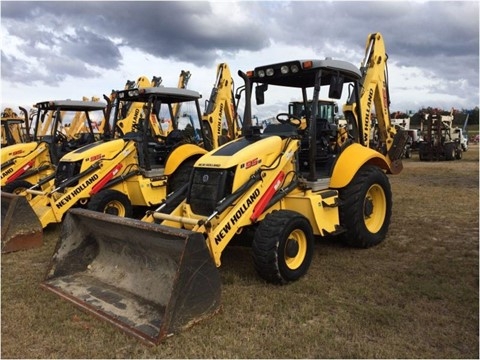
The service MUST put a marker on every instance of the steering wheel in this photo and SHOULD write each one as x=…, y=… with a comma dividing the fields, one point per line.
x=61, y=136
x=285, y=118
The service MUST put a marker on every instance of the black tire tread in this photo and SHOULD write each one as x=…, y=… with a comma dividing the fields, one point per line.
x=351, y=209
x=99, y=201
x=265, y=246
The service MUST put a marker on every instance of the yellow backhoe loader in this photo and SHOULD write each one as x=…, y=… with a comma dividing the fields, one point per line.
x=33, y=161
x=302, y=178
x=32, y=166
x=112, y=175
x=14, y=128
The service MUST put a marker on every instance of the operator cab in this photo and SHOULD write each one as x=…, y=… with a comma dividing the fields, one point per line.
x=52, y=116
x=311, y=119
x=158, y=127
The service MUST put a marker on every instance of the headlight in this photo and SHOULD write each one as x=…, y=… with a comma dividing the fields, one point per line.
x=133, y=92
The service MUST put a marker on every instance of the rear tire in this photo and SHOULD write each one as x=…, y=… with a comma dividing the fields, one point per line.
x=450, y=151
x=283, y=247
x=459, y=154
x=366, y=208
x=111, y=202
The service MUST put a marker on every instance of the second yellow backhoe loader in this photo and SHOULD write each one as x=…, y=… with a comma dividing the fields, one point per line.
x=301, y=178
x=112, y=175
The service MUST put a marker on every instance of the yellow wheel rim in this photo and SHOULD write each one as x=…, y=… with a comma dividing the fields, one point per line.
x=374, y=208
x=295, y=249
x=115, y=208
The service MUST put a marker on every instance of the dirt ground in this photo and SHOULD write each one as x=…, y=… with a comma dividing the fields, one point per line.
x=413, y=296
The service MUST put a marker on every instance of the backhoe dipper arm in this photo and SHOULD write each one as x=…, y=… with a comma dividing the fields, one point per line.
x=220, y=104
x=375, y=93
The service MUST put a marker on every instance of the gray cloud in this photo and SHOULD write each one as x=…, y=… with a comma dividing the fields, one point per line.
x=93, y=31
x=80, y=38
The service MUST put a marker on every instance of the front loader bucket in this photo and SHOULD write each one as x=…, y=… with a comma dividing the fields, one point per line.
x=21, y=228
x=150, y=280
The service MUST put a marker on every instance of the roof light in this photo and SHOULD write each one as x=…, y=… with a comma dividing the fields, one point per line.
x=294, y=68
x=284, y=69
x=269, y=72
x=261, y=73
x=308, y=64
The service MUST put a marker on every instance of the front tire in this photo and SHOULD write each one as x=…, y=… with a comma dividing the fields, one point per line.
x=111, y=202
x=283, y=247
x=366, y=208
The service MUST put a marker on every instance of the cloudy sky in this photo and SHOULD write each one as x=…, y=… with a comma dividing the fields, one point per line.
x=70, y=49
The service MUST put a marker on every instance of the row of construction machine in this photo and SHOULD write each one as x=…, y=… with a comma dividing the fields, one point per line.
x=298, y=179
x=25, y=164
x=31, y=166
x=33, y=163
x=14, y=128
x=133, y=169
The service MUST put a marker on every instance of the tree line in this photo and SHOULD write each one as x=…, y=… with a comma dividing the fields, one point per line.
x=459, y=116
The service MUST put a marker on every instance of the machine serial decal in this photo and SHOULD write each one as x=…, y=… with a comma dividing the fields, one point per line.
x=251, y=163
x=67, y=198
x=237, y=216
x=96, y=157
x=209, y=165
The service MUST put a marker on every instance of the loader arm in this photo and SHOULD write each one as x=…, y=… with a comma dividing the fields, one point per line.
x=50, y=206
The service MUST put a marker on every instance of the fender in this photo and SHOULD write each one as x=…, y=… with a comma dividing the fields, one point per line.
x=180, y=154
x=351, y=160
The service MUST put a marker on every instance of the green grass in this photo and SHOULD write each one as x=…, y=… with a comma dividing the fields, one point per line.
x=413, y=296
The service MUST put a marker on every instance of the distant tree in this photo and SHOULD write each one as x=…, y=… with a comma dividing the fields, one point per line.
x=459, y=116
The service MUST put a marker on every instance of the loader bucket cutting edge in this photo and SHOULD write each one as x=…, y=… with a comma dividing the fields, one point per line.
x=149, y=280
x=21, y=228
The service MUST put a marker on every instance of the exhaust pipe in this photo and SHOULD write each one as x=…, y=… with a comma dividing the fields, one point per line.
x=149, y=280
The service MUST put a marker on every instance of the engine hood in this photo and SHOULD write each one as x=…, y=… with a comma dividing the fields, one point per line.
x=96, y=151
x=17, y=150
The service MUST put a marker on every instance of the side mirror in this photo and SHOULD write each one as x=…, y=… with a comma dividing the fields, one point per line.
x=260, y=93
x=336, y=86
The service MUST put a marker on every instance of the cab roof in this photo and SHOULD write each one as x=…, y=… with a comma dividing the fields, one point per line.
x=165, y=94
x=70, y=105
x=304, y=77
